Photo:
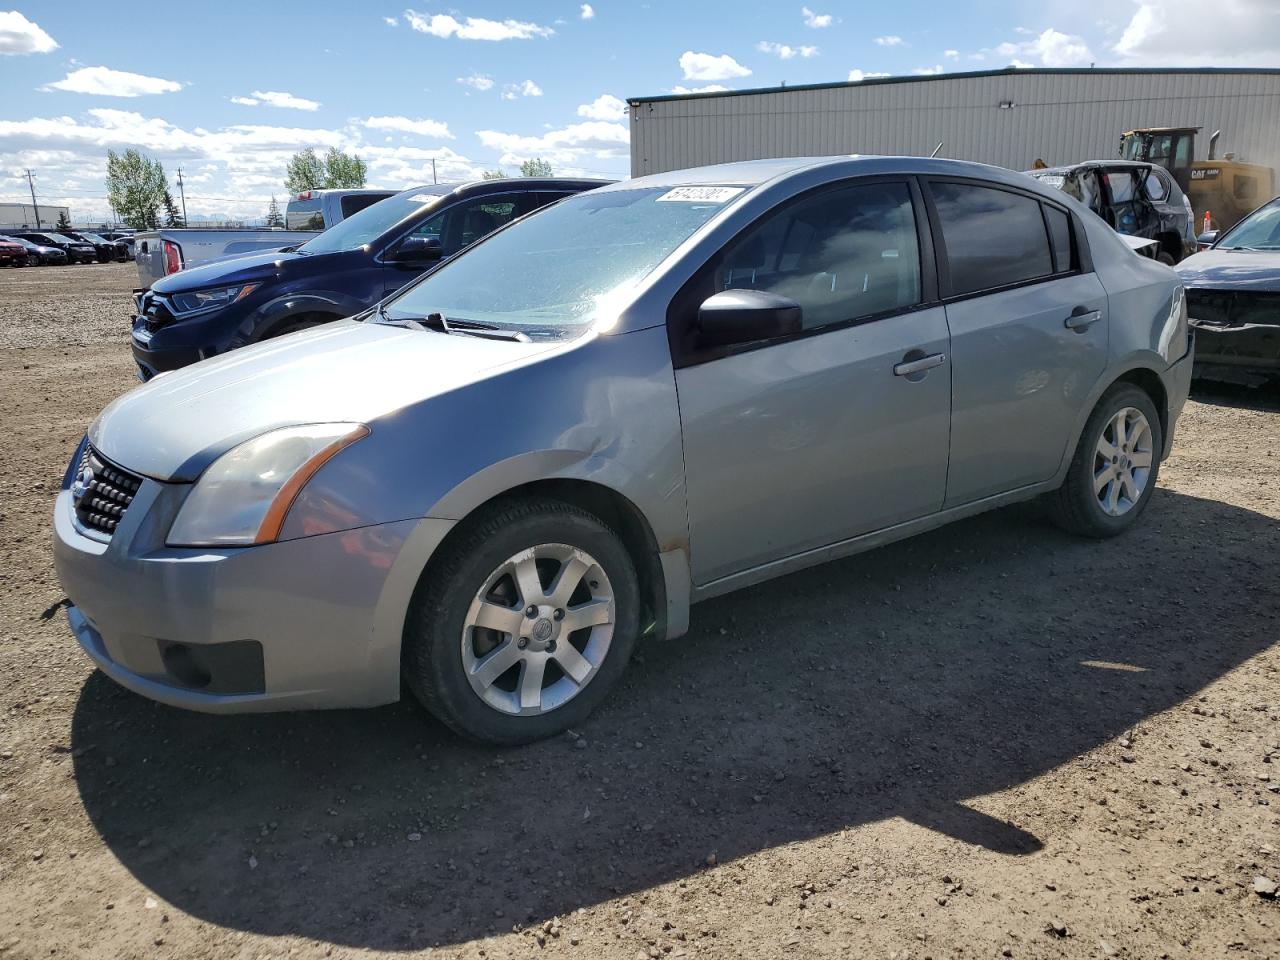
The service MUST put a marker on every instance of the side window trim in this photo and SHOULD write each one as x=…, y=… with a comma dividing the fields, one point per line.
x=1084, y=262
x=682, y=356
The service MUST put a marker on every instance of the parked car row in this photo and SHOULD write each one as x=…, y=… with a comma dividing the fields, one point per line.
x=572, y=423
x=44, y=247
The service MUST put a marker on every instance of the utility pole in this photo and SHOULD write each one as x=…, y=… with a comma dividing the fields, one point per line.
x=433, y=171
x=32, y=184
x=182, y=193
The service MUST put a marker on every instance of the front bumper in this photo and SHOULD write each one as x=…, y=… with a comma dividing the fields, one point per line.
x=309, y=623
x=1246, y=352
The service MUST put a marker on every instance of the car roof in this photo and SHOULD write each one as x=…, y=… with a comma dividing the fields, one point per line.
x=1097, y=164
x=500, y=184
x=756, y=173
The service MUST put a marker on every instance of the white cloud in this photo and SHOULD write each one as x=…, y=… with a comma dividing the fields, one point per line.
x=567, y=145
x=421, y=127
x=474, y=28
x=928, y=71
x=1053, y=48
x=951, y=54
x=477, y=81
x=277, y=98
x=1021, y=64
x=815, y=21
x=784, y=51
x=105, y=82
x=587, y=12
x=708, y=88
x=604, y=107
x=391, y=21
x=513, y=91
x=20, y=35
x=857, y=76
x=890, y=41
x=705, y=66
x=1182, y=32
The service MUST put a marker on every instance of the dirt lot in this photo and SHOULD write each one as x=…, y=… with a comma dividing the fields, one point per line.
x=991, y=741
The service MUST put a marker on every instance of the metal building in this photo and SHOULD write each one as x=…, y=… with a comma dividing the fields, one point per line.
x=17, y=215
x=1008, y=117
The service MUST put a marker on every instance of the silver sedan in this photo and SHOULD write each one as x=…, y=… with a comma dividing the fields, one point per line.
x=492, y=485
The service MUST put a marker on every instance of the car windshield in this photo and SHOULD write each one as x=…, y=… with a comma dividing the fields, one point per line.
x=1258, y=231
x=371, y=222
x=93, y=238
x=557, y=269
x=59, y=238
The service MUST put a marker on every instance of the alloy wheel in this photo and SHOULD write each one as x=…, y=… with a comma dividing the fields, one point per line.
x=1122, y=462
x=538, y=630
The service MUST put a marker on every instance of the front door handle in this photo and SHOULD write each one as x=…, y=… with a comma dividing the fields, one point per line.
x=907, y=367
x=1081, y=319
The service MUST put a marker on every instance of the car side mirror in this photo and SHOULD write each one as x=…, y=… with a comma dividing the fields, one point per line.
x=745, y=316
x=1206, y=239
x=416, y=250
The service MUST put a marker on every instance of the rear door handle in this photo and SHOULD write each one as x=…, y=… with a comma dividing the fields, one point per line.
x=1082, y=319
x=907, y=367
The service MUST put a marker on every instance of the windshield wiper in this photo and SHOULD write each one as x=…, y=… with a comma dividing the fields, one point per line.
x=442, y=324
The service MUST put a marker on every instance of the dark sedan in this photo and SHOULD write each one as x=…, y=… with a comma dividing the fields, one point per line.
x=109, y=251
x=77, y=251
x=1233, y=298
x=38, y=254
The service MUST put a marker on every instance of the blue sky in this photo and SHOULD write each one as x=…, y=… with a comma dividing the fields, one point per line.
x=228, y=91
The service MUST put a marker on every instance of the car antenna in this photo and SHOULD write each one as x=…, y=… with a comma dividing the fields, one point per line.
x=936, y=149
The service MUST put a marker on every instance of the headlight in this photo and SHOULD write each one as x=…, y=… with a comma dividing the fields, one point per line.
x=243, y=497
x=208, y=299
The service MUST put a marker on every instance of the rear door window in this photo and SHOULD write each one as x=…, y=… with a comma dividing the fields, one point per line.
x=993, y=238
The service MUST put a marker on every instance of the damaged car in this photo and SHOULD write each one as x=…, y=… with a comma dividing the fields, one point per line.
x=1233, y=300
x=1135, y=199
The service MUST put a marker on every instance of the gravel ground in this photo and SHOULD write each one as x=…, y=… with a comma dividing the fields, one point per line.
x=991, y=741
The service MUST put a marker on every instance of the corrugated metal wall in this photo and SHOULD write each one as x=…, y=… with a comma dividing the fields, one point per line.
x=1059, y=117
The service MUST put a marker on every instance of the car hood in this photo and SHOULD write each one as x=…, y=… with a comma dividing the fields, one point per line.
x=237, y=269
x=1232, y=270
x=177, y=424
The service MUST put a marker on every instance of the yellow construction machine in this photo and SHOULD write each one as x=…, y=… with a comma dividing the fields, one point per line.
x=1225, y=190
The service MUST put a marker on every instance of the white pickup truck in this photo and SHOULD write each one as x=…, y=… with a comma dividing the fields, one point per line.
x=170, y=249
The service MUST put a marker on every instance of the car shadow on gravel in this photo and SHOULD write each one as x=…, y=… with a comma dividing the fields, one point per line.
x=905, y=682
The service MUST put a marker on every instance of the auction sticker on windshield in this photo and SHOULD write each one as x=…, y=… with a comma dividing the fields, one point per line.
x=702, y=194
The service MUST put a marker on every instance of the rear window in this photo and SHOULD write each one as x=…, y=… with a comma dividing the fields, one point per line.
x=993, y=237
x=355, y=202
x=304, y=215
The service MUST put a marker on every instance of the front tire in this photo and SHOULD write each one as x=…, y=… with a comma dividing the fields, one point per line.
x=525, y=622
x=1116, y=464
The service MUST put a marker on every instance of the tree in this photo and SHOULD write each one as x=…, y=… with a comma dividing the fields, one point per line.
x=273, y=214
x=63, y=223
x=172, y=218
x=337, y=170
x=535, y=167
x=306, y=172
x=136, y=187
x=343, y=171
x=492, y=175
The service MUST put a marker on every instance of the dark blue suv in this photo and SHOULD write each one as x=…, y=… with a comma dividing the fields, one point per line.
x=219, y=306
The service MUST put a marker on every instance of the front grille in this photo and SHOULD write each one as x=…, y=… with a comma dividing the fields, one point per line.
x=1232, y=308
x=153, y=311
x=102, y=492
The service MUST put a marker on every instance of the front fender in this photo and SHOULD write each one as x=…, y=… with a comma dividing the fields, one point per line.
x=260, y=324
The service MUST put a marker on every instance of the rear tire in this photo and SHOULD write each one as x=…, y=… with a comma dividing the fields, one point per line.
x=1115, y=467
x=560, y=603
